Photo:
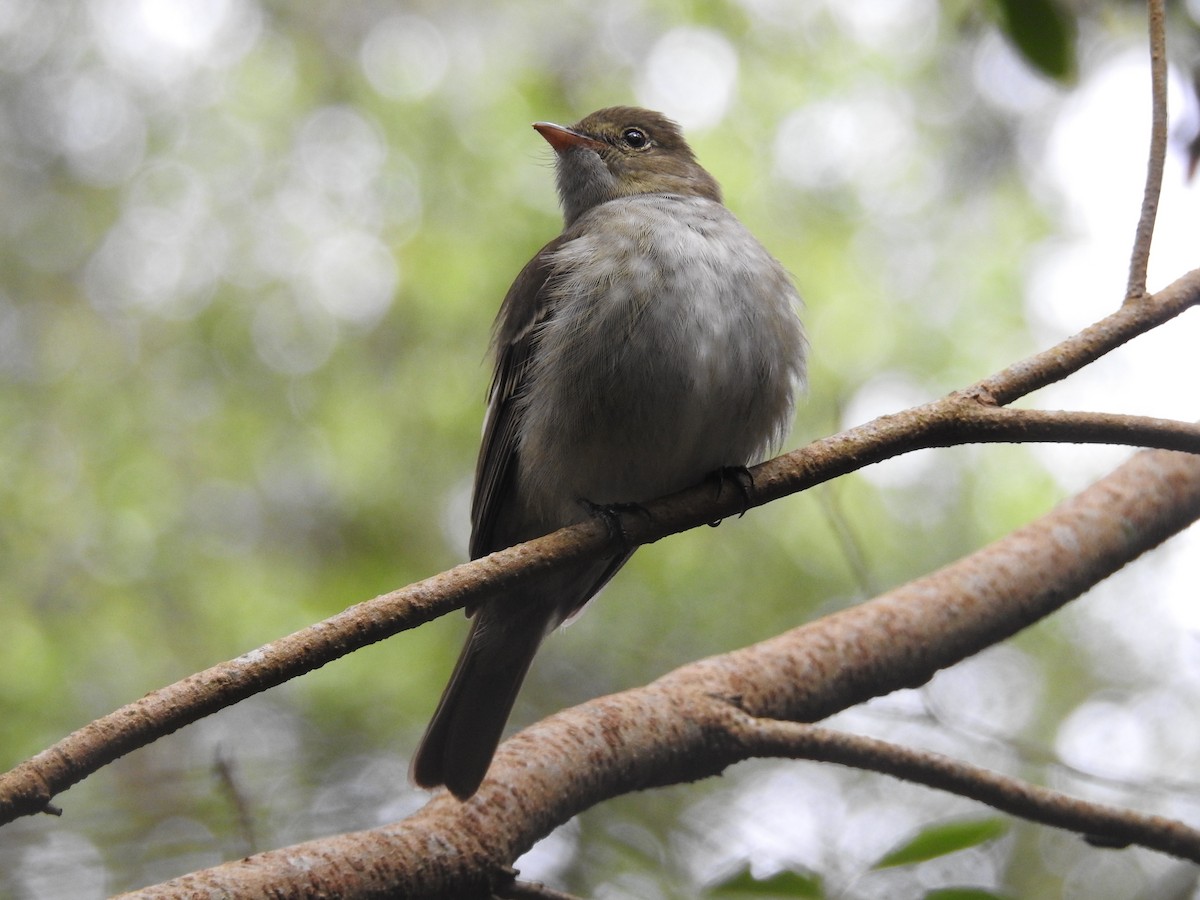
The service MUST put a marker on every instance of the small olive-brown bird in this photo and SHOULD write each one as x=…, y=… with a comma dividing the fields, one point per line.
x=651, y=344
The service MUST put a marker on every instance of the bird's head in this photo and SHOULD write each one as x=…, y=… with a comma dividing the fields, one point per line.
x=622, y=151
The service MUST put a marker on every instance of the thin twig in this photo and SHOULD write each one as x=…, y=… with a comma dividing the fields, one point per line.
x=994, y=424
x=225, y=770
x=1140, y=260
x=1093, y=342
x=1118, y=827
x=1031, y=753
x=830, y=502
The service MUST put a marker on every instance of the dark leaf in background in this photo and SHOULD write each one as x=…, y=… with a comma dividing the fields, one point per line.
x=1043, y=33
x=964, y=894
x=1193, y=141
x=781, y=884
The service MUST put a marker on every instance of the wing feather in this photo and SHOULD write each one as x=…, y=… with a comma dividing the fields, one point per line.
x=513, y=342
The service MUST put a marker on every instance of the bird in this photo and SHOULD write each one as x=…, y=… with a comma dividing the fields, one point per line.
x=653, y=343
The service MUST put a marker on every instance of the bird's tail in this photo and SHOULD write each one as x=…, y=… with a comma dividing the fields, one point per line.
x=466, y=727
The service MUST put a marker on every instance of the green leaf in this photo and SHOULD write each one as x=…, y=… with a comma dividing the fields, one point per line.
x=1043, y=32
x=964, y=894
x=781, y=884
x=941, y=840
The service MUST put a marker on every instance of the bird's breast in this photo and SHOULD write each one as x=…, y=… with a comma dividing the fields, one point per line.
x=673, y=349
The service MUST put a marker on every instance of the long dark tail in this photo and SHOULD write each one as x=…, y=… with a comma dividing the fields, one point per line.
x=466, y=727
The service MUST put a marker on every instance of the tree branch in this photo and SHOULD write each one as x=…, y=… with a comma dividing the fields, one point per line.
x=691, y=723
x=989, y=424
x=1076, y=352
x=1109, y=825
x=1139, y=262
x=966, y=416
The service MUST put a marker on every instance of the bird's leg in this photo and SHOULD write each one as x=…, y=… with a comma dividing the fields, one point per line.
x=610, y=514
x=741, y=479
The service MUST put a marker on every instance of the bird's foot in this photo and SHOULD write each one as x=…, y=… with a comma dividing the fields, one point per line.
x=741, y=479
x=610, y=514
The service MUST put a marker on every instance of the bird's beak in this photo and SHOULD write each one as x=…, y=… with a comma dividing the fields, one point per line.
x=564, y=138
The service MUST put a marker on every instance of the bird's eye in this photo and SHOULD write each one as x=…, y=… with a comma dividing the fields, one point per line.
x=635, y=138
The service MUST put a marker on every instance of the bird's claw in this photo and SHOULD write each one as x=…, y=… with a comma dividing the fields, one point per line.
x=610, y=514
x=741, y=479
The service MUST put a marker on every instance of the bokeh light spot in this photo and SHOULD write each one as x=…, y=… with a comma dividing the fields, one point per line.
x=690, y=73
x=353, y=276
x=404, y=57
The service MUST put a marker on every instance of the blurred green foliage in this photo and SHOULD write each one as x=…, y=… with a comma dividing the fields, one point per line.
x=782, y=884
x=943, y=839
x=251, y=254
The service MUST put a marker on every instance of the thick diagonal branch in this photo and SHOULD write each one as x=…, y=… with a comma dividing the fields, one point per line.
x=692, y=722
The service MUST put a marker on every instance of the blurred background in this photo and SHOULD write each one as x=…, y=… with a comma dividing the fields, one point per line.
x=250, y=256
